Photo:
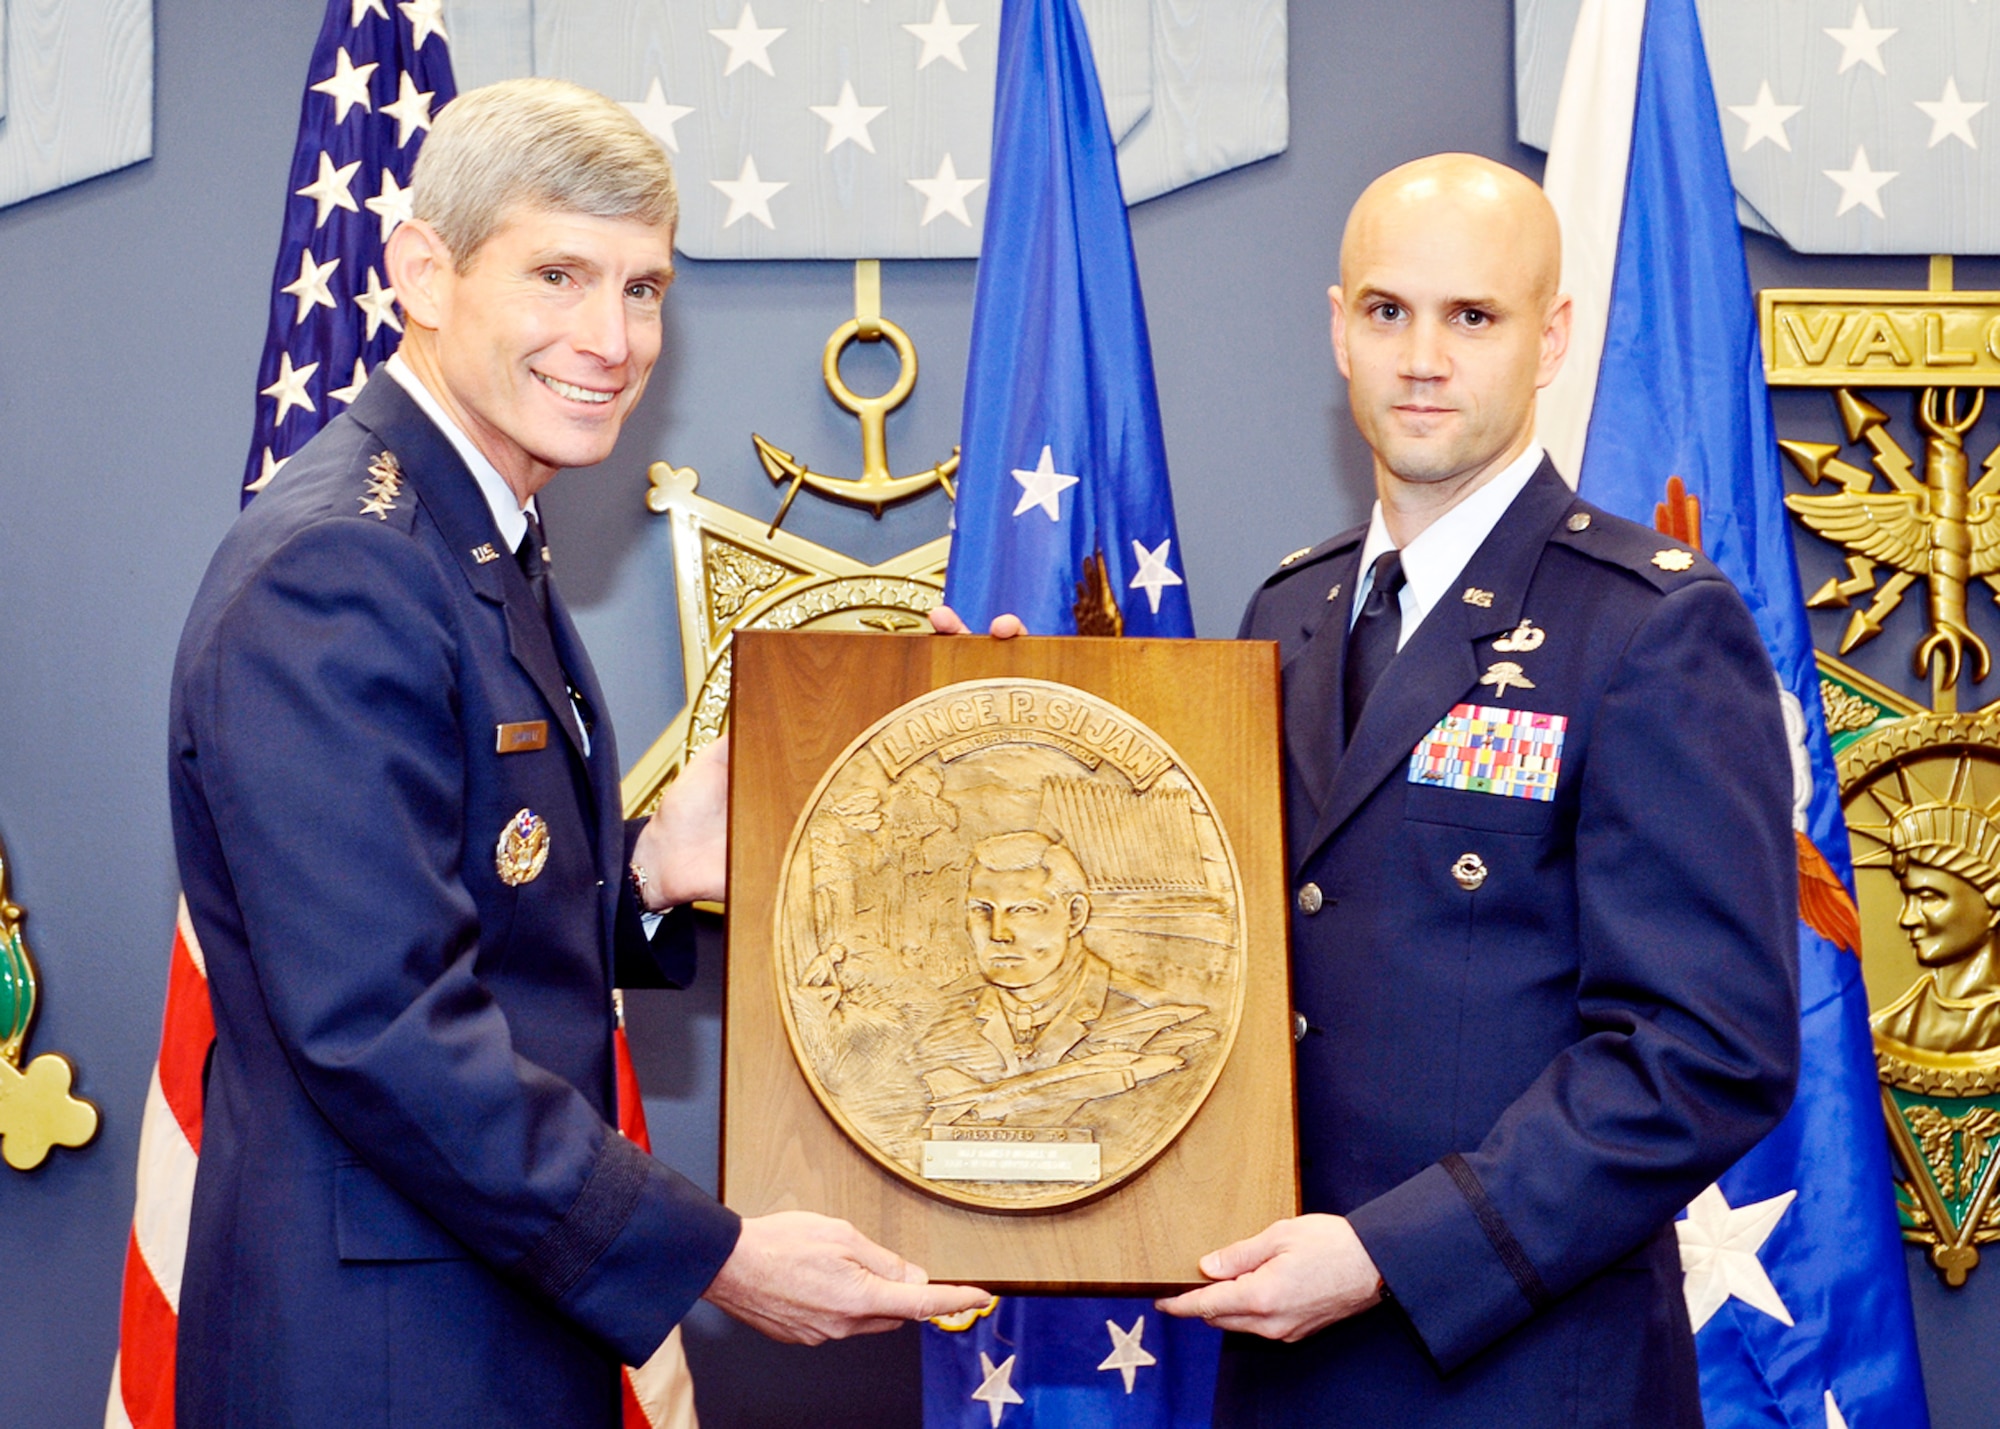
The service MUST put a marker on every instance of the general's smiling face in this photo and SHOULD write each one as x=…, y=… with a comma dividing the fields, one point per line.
x=545, y=342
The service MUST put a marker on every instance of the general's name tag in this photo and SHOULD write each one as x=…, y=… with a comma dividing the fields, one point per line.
x=1487, y=749
x=522, y=737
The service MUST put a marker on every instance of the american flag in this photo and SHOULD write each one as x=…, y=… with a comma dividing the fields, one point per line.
x=379, y=72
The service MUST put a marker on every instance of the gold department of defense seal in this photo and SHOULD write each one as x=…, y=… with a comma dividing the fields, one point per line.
x=1010, y=946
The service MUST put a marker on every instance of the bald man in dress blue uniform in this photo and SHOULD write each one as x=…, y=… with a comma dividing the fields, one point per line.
x=1538, y=816
x=397, y=816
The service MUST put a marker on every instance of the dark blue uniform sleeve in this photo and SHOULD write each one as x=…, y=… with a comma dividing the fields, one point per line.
x=334, y=767
x=1687, y=991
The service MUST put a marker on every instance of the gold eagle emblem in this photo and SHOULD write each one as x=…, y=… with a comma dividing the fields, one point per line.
x=1936, y=529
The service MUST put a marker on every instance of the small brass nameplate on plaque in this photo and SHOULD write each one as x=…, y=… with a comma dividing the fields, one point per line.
x=1010, y=1153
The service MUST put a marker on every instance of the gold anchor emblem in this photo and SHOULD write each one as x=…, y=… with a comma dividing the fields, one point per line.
x=875, y=487
x=1936, y=528
x=1527, y=636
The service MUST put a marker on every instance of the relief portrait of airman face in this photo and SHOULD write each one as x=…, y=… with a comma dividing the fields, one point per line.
x=1026, y=923
x=1446, y=320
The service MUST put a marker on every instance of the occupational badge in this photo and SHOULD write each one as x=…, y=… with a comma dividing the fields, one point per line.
x=1527, y=636
x=1503, y=675
x=523, y=848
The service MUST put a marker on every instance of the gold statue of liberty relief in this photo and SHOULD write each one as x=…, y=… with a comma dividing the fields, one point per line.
x=1923, y=808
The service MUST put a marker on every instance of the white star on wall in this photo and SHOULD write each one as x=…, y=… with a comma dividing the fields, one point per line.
x=411, y=111
x=1859, y=43
x=1764, y=118
x=659, y=117
x=996, y=1391
x=330, y=190
x=1860, y=186
x=426, y=18
x=347, y=86
x=346, y=395
x=310, y=287
x=945, y=193
x=1042, y=486
x=360, y=9
x=748, y=45
x=1951, y=116
x=748, y=194
x=848, y=120
x=1153, y=576
x=1719, y=1245
x=290, y=390
x=391, y=205
x=379, y=303
x=941, y=38
x=1127, y=1356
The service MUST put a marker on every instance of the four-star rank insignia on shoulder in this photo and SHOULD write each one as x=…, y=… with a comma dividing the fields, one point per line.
x=385, y=484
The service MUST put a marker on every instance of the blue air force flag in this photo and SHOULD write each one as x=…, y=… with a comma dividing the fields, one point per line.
x=1063, y=456
x=1794, y=1267
x=1063, y=459
x=379, y=71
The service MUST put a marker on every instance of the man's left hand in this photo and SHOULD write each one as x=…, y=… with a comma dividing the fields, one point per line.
x=684, y=847
x=1296, y=1277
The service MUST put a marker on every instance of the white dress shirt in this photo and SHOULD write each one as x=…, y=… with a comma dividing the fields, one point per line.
x=1432, y=562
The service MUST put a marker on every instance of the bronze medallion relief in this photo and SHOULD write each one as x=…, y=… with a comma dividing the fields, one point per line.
x=1010, y=944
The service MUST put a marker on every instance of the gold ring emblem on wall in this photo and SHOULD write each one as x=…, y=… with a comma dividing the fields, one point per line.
x=1010, y=946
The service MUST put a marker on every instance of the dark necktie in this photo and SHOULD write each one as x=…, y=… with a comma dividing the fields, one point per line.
x=533, y=554
x=1371, y=644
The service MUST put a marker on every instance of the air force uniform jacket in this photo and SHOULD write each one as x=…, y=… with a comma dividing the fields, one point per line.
x=1538, y=1025
x=411, y=1208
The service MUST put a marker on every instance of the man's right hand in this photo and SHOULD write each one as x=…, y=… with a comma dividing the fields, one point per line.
x=804, y=1279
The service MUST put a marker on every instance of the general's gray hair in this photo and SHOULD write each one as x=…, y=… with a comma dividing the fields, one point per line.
x=536, y=143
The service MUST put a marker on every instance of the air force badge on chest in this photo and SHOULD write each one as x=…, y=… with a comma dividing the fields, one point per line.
x=1487, y=749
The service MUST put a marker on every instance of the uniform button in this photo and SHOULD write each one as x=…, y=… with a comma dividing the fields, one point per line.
x=1469, y=871
x=1580, y=521
x=1310, y=899
x=1299, y=1027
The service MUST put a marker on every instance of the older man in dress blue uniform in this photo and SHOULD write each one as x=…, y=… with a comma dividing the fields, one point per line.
x=397, y=816
x=1538, y=812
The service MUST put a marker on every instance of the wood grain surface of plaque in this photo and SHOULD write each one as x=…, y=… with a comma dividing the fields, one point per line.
x=903, y=809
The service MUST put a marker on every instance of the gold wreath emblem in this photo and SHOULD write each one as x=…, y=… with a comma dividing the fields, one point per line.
x=523, y=848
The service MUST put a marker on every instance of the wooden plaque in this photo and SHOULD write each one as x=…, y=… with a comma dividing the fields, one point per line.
x=922, y=828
